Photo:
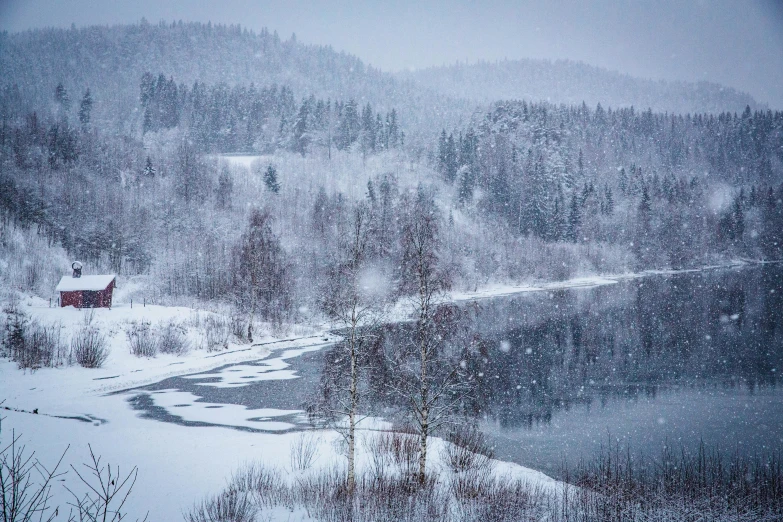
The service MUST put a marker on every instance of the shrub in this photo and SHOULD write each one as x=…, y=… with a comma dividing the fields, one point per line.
x=89, y=347
x=324, y=495
x=31, y=344
x=229, y=506
x=241, y=326
x=679, y=485
x=172, y=339
x=142, y=341
x=216, y=333
x=392, y=448
x=468, y=450
x=692, y=488
x=303, y=451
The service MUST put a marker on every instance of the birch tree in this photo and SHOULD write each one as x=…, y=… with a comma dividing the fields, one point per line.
x=423, y=277
x=356, y=305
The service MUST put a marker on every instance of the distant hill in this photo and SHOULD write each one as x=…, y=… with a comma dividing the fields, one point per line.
x=111, y=60
x=569, y=82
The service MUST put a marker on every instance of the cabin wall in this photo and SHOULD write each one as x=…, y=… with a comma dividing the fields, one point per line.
x=104, y=296
x=71, y=299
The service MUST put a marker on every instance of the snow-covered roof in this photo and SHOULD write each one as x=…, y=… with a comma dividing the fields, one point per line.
x=86, y=282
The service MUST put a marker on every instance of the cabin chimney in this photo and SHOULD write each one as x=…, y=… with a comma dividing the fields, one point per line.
x=77, y=269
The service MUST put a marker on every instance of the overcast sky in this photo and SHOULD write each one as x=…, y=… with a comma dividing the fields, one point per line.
x=735, y=43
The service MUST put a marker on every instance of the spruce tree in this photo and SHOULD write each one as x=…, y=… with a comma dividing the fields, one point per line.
x=62, y=98
x=466, y=186
x=149, y=169
x=451, y=159
x=574, y=219
x=623, y=182
x=738, y=219
x=85, y=109
x=270, y=179
x=442, y=153
x=608, y=201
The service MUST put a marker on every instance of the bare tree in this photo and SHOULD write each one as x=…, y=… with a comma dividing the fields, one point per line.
x=423, y=277
x=25, y=483
x=107, y=492
x=358, y=307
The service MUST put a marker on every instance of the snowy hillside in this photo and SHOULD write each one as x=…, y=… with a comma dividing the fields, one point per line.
x=572, y=83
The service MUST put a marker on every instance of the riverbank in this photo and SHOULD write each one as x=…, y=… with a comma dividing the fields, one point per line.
x=74, y=406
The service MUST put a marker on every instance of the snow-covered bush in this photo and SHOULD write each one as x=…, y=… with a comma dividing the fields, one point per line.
x=323, y=494
x=229, y=506
x=142, y=340
x=172, y=338
x=89, y=346
x=303, y=451
x=468, y=451
x=392, y=448
x=216, y=333
x=241, y=326
x=31, y=344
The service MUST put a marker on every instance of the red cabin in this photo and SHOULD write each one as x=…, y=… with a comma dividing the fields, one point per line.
x=92, y=291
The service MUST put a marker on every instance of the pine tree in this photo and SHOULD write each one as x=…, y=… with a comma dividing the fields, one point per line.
x=608, y=201
x=270, y=179
x=574, y=219
x=738, y=216
x=557, y=228
x=348, y=131
x=368, y=130
x=394, y=136
x=85, y=109
x=623, y=182
x=451, y=159
x=149, y=169
x=62, y=98
x=442, y=153
x=301, y=139
x=466, y=183
x=225, y=189
x=644, y=203
x=643, y=242
x=541, y=200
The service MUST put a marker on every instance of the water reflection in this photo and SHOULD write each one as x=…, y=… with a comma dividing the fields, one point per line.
x=665, y=356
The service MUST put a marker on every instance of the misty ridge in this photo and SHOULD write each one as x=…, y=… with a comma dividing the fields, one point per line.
x=254, y=192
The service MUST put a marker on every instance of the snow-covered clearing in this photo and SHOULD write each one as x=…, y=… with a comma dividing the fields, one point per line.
x=177, y=464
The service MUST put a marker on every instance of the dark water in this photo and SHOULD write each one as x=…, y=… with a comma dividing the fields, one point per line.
x=652, y=361
x=659, y=360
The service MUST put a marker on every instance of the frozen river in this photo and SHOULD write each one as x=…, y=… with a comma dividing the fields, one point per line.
x=660, y=360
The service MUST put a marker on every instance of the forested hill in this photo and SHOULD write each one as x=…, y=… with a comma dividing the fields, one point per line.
x=110, y=61
x=673, y=187
x=565, y=81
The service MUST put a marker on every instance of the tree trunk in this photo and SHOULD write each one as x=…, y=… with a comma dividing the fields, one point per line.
x=424, y=412
x=354, y=405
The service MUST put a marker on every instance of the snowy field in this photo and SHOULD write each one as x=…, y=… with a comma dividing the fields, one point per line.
x=178, y=465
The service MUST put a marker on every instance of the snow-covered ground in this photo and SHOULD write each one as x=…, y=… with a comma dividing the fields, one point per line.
x=180, y=464
x=499, y=290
